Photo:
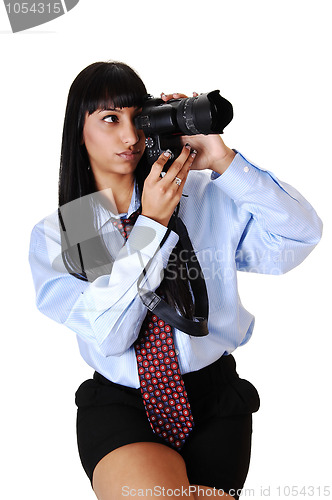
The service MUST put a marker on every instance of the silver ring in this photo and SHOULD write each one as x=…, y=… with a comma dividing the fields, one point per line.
x=178, y=181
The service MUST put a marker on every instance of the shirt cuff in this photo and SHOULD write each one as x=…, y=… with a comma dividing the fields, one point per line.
x=147, y=235
x=238, y=178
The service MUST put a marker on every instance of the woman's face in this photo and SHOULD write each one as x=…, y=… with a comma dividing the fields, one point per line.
x=113, y=143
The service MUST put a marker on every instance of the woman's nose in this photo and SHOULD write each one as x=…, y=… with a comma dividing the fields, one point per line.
x=130, y=134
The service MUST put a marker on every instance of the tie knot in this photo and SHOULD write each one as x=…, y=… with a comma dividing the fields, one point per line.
x=130, y=221
x=125, y=224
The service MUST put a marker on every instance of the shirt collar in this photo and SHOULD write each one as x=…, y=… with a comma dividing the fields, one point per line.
x=105, y=215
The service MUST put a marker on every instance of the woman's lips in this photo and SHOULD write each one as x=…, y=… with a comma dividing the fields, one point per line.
x=128, y=155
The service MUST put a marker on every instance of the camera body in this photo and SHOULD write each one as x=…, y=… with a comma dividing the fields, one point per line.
x=163, y=123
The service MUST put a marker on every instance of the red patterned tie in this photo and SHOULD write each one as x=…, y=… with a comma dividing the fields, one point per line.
x=162, y=387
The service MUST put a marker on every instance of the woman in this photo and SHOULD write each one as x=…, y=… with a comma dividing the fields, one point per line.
x=117, y=232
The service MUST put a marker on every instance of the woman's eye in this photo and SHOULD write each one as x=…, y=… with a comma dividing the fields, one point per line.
x=110, y=119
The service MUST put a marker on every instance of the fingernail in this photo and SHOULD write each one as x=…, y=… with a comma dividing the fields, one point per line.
x=167, y=153
x=193, y=153
x=188, y=145
x=162, y=94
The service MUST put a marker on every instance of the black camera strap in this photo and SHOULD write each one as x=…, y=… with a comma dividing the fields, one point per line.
x=197, y=327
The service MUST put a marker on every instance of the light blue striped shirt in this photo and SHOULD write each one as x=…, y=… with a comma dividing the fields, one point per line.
x=242, y=220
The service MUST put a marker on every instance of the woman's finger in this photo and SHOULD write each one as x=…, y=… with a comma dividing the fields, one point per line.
x=176, y=95
x=183, y=173
x=177, y=165
x=158, y=165
x=180, y=180
x=181, y=177
x=168, y=97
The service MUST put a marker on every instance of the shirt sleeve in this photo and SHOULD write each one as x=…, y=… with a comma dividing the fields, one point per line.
x=107, y=312
x=282, y=229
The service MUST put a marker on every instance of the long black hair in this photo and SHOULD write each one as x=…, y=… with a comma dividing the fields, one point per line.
x=102, y=85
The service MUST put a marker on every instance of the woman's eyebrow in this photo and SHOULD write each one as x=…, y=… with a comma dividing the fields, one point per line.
x=118, y=110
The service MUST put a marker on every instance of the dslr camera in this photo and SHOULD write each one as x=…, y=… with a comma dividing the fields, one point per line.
x=163, y=123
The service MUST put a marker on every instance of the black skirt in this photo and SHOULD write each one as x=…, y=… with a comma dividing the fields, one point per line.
x=217, y=451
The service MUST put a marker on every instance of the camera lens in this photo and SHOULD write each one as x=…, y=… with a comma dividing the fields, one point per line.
x=204, y=114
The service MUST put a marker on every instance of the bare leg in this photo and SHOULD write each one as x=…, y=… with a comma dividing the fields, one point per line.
x=141, y=466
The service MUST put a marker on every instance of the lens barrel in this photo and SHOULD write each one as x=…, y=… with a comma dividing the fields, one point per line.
x=205, y=114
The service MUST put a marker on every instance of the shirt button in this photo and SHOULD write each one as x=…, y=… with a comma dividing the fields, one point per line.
x=177, y=352
x=246, y=169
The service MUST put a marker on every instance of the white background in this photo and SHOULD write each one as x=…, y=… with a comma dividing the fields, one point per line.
x=272, y=61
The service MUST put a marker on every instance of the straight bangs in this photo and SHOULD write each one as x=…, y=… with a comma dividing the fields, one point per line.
x=114, y=85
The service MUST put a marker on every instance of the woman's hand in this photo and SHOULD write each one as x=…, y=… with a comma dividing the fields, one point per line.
x=211, y=150
x=161, y=194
